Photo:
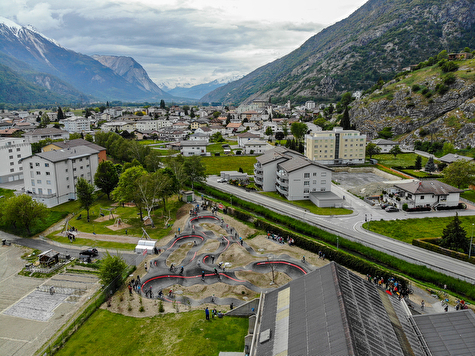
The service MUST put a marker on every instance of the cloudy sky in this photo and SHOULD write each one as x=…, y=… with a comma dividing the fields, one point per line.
x=182, y=41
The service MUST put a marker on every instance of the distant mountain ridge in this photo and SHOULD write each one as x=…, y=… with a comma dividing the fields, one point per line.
x=54, y=64
x=199, y=90
x=377, y=40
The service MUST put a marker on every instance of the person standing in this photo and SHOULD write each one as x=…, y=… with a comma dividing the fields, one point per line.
x=422, y=304
x=203, y=276
x=207, y=313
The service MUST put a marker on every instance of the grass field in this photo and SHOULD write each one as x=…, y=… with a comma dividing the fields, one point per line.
x=214, y=165
x=106, y=333
x=307, y=204
x=401, y=160
x=410, y=229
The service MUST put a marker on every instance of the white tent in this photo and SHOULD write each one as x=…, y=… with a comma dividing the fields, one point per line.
x=143, y=245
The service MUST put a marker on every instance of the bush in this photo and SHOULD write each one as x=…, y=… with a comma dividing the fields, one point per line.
x=404, y=206
x=449, y=66
x=450, y=79
x=441, y=89
x=416, y=88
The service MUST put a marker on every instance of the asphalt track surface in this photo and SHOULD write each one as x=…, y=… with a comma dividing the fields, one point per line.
x=349, y=227
x=201, y=269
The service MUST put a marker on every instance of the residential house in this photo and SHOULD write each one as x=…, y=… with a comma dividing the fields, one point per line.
x=146, y=125
x=68, y=144
x=118, y=126
x=256, y=147
x=426, y=193
x=384, y=145
x=451, y=158
x=336, y=147
x=234, y=127
x=204, y=131
x=51, y=177
x=199, y=137
x=246, y=136
x=12, y=150
x=42, y=134
x=193, y=148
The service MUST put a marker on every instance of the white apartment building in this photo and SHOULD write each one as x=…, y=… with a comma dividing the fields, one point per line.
x=256, y=147
x=310, y=105
x=49, y=132
x=291, y=174
x=51, y=177
x=118, y=126
x=336, y=147
x=146, y=125
x=77, y=124
x=12, y=150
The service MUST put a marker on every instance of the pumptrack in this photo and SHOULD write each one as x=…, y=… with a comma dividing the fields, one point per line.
x=201, y=269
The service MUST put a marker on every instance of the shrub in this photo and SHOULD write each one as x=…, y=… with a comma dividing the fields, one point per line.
x=450, y=79
x=449, y=66
x=404, y=206
x=425, y=91
x=416, y=88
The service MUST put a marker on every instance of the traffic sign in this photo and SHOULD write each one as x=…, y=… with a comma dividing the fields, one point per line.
x=221, y=206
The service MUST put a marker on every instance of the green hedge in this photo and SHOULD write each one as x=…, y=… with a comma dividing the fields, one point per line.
x=430, y=243
x=361, y=259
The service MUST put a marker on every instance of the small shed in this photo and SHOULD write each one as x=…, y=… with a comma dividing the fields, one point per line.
x=145, y=245
x=48, y=258
x=188, y=196
x=233, y=175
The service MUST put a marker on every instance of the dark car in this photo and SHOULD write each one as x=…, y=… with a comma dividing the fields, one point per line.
x=384, y=205
x=391, y=209
x=89, y=252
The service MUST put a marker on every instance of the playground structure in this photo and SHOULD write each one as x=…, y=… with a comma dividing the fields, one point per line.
x=109, y=211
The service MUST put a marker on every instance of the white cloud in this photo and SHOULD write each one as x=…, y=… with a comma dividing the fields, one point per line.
x=173, y=39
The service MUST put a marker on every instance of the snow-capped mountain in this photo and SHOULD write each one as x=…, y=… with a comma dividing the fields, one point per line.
x=84, y=73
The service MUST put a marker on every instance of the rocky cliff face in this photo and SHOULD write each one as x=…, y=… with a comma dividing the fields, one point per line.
x=377, y=40
x=421, y=112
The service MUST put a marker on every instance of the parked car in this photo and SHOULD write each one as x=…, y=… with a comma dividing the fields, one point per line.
x=384, y=205
x=391, y=209
x=89, y=252
x=222, y=180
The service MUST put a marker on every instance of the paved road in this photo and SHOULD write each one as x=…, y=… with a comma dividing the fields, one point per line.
x=350, y=227
x=73, y=251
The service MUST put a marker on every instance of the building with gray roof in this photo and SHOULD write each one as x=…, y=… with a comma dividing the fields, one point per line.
x=51, y=177
x=332, y=311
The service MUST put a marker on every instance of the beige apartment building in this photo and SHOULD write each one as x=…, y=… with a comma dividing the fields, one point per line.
x=336, y=147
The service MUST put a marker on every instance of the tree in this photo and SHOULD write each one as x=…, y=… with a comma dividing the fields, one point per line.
x=228, y=119
x=60, y=114
x=320, y=121
x=460, y=173
x=111, y=270
x=148, y=190
x=22, y=211
x=442, y=55
x=89, y=138
x=454, y=236
x=395, y=150
x=153, y=161
x=217, y=137
x=345, y=120
x=162, y=104
x=177, y=166
x=386, y=133
x=346, y=99
x=194, y=169
x=75, y=135
x=126, y=190
x=430, y=165
x=372, y=149
x=299, y=129
x=269, y=131
x=106, y=177
x=85, y=194
x=285, y=128
x=279, y=135
x=448, y=148
x=418, y=163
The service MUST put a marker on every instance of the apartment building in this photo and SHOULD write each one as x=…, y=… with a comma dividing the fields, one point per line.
x=336, y=147
x=77, y=124
x=12, y=150
x=51, y=177
x=291, y=174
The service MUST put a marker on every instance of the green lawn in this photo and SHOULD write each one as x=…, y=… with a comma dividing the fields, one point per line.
x=106, y=333
x=217, y=147
x=214, y=165
x=6, y=193
x=401, y=160
x=469, y=195
x=410, y=229
x=307, y=204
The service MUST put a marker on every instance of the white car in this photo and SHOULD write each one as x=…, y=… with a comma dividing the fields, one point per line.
x=222, y=180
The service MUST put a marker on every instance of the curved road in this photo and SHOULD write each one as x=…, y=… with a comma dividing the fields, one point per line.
x=349, y=227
